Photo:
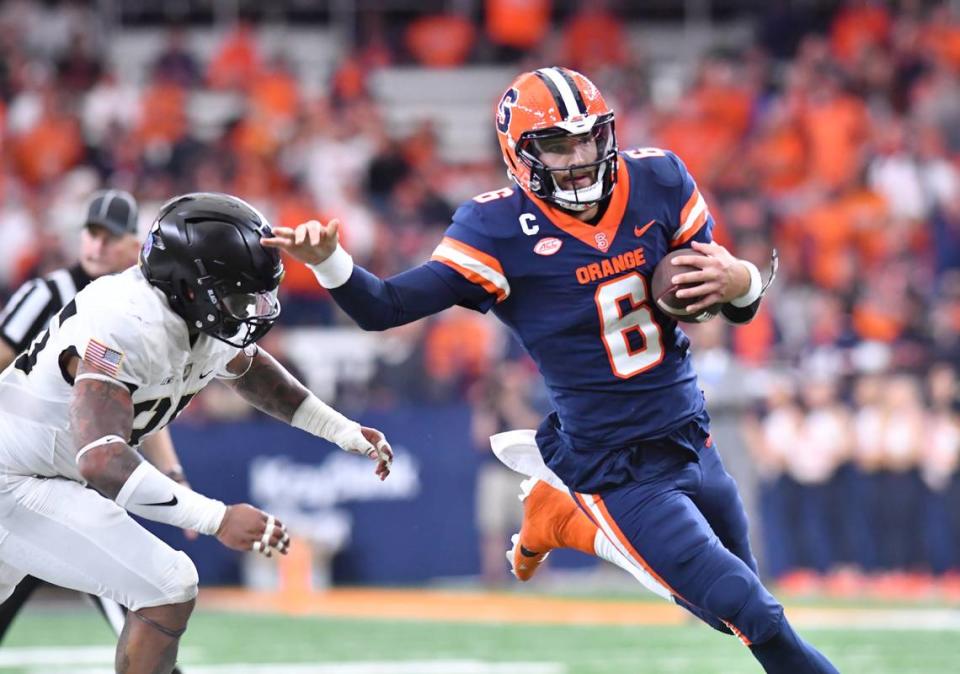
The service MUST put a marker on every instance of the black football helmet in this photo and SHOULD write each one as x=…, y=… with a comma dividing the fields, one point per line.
x=204, y=253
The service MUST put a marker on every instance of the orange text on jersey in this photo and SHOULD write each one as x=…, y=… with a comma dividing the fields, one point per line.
x=601, y=270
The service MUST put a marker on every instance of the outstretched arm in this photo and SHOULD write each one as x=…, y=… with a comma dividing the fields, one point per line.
x=266, y=384
x=378, y=304
x=374, y=303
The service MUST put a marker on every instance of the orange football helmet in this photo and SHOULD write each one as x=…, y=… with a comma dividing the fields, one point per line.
x=553, y=103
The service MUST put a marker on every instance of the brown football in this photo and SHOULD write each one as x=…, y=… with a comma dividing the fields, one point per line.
x=664, y=290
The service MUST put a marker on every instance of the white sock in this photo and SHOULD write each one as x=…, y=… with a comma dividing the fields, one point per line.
x=608, y=551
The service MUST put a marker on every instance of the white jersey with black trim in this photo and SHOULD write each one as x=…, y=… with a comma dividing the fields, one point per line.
x=123, y=326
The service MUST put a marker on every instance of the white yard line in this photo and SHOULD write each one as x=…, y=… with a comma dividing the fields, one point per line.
x=99, y=660
x=922, y=620
x=49, y=659
x=55, y=655
x=424, y=667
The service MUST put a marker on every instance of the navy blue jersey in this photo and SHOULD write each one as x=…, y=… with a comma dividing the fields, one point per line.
x=578, y=297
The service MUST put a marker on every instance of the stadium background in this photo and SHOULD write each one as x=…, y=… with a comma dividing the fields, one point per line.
x=830, y=131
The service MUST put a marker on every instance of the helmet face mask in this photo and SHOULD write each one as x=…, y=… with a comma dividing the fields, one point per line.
x=204, y=254
x=248, y=316
x=556, y=130
x=558, y=182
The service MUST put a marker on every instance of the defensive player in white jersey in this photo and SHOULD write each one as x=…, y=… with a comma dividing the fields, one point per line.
x=108, y=245
x=118, y=363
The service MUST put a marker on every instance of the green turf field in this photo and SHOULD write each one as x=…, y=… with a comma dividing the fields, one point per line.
x=77, y=641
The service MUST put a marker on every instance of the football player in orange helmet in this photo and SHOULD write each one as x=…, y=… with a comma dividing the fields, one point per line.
x=565, y=262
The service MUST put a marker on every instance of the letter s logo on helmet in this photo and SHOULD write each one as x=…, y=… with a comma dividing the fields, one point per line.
x=551, y=104
x=503, y=109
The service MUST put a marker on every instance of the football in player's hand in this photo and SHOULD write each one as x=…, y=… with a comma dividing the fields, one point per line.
x=665, y=290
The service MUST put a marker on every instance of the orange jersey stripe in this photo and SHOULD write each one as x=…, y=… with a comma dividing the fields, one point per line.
x=477, y=255
x=692, y=232
x=691, y=202
x=473, y=277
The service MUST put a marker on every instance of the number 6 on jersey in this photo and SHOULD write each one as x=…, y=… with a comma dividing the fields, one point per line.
x=617, y=325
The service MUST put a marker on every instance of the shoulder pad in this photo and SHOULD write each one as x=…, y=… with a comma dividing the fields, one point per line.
x=664, y=167
x=493, y=214
x=127, y=294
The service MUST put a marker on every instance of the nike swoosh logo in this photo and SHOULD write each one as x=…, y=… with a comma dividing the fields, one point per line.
x=172, y=502
x=640, y=231
x=206, y=374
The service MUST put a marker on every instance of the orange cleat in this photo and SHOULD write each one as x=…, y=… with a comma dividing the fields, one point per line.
x=551, y=519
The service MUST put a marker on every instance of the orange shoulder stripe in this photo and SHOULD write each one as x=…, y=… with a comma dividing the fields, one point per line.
x=473, y=277
x=476, y=254
x=691, y=202
x=690, y=233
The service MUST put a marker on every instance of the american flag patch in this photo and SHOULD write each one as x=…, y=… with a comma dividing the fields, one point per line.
x=103, y=358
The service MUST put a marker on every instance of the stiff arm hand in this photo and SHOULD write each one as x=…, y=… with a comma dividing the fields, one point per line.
x=311, y=242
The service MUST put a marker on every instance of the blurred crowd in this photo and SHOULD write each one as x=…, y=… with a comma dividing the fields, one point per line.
x=859, y=478
x=833, y=136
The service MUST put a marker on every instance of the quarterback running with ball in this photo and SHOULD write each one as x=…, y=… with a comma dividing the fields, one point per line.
x=563, y=257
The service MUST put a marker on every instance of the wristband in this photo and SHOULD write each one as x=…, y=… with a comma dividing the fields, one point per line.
x=754, y=291
x=335, y=270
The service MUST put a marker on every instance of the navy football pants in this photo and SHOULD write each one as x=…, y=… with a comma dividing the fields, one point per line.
x=684, y=521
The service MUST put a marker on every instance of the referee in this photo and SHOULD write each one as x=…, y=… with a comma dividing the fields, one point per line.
x=108, y=244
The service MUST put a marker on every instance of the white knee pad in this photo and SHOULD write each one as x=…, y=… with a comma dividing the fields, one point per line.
x=178, y=585
x=184, y=580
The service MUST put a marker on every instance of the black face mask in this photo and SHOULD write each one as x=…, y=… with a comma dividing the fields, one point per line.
x=246, y=317
x=544, y=180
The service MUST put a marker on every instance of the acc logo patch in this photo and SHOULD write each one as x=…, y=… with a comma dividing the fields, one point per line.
x=547, y=246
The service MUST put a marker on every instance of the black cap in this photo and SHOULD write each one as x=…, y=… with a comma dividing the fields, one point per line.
x=115, y=210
